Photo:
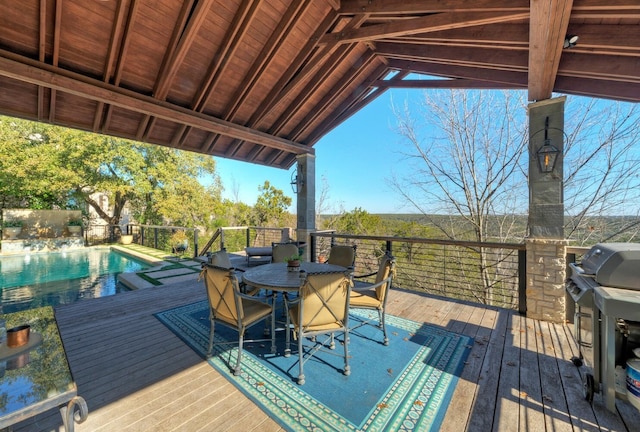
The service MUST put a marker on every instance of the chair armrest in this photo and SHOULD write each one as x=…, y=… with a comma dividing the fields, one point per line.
x=253, y=297
x=369, y=286
x=365, y=275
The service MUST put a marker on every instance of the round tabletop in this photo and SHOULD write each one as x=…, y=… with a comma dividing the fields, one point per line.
x=277, y=277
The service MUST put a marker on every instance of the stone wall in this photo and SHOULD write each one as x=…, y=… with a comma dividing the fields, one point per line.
x=42, y=231
x=546, y=274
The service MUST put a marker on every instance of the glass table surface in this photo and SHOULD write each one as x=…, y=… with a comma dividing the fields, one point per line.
x=36, y=377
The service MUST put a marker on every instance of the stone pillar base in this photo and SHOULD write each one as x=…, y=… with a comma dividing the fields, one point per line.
x=546, y=275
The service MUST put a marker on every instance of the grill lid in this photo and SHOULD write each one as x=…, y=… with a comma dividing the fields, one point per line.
x=614, y=264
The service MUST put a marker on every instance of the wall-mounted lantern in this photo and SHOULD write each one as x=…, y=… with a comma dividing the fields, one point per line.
x=548, y=153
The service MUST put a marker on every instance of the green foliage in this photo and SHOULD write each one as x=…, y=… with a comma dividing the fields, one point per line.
x=12, y=224
x=358, y=221
x=271, y=206
x=75, y=222
x=44, y=167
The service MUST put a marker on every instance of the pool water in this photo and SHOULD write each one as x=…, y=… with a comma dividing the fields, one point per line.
x=51, y=279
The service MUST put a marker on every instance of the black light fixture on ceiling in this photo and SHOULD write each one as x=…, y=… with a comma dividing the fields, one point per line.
x=548, y=153
x=570, y=41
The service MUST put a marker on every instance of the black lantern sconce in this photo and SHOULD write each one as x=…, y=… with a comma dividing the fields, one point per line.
x=297, y=182
x=548, y=153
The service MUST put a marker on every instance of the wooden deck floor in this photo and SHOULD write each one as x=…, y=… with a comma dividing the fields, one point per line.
x=137, y=376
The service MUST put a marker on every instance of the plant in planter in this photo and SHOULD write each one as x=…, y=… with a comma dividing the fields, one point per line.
x=12, y=228
x=75, y=227
x=179, y=242
x=293, y=262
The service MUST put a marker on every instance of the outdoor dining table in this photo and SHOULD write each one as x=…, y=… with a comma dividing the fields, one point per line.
x=277, y=277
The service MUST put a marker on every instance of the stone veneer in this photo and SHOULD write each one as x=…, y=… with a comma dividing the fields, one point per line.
x=546, y=274
x=23, y=246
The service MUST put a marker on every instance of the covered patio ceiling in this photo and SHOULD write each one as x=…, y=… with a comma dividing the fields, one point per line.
x=262, y=81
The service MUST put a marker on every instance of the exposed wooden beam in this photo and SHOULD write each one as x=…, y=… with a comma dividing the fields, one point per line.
x=435, y=22
x=122, y=55
x=352, y=105
x=32, y=72
x=386, y=7
x=335, y=93
x=443, y=84
x=459, y=71
x=483, y=57
x=311, y=86
x=110, y=62
x=266, y=56
x=184, y=33
x=547, y=30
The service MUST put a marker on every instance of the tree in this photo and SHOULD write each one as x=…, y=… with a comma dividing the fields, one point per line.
x=467, y=162
x=271, y=205
x=472, y=166
x=467, y=157
x=52, y=167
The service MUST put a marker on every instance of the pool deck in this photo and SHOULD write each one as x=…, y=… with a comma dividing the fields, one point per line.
x=167, y=269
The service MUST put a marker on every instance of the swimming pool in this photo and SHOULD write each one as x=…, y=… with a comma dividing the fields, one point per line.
x=51, y=279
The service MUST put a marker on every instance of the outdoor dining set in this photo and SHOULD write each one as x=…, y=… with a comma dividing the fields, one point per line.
x=315, y=298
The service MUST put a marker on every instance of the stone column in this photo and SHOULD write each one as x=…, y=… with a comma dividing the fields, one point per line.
x=546, y=245
x=546, y=274
x=306, y=206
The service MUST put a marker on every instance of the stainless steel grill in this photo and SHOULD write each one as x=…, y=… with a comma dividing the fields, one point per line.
x=605, y=291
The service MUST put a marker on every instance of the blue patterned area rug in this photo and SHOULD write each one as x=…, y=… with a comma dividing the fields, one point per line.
x=405, y=386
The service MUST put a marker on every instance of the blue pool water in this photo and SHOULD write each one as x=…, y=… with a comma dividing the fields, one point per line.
x=51, y=279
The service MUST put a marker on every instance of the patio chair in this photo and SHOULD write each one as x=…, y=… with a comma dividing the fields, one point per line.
x=322, y=308
x=373, y=296
x=280, y=251
x=342, y=255
x=230, y=307
x=221, y=259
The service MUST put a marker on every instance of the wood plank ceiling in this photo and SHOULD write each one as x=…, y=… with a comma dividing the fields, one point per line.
x=263, y=81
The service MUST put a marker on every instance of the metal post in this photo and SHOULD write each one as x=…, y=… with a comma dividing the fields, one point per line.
x=522, y=282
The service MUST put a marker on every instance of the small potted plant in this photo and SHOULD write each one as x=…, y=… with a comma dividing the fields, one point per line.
x=179, y=242
x=293, y=262
x=75, y=227
x=12, y=228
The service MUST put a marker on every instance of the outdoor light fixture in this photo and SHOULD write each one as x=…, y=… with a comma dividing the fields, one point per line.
x=547, y=154
x=297, y=182
x=570, y=41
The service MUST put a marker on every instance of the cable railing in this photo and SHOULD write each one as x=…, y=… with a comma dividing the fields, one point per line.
x=493, y=274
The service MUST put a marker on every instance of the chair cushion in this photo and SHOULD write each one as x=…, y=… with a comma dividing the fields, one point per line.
x=366, y=299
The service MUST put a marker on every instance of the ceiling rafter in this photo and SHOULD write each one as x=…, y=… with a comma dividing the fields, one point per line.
x=55, y=56
x=231, y=43
x=335, y=93
x=350, y=106
x=239, y=27
x=435, y=22
x=266, y=56
x=325, y=55
x=187, y=25
x=42, y=52
x=95, y=90
x=263, y=59
x=429, y=6
x=112, y=52
x=307, y=54
x=119, y=62
x=458, y=83
x=311, y=86
x=300, y=59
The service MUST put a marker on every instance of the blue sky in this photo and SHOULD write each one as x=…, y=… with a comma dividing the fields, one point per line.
x=356, y=158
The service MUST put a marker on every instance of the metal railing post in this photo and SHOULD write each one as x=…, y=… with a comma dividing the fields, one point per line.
x=522, y=282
